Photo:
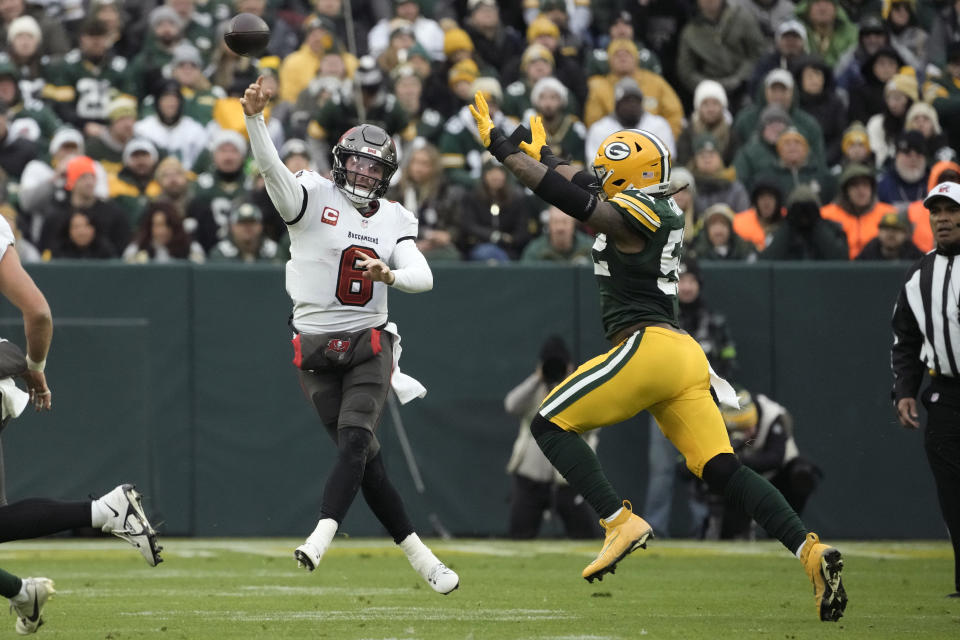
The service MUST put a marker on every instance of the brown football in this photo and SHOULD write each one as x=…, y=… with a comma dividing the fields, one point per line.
x=247, y=35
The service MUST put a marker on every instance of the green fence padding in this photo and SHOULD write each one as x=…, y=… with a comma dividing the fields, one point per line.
x=832, y=369
x=179, y=379
x=94, y=294
x=98, y=434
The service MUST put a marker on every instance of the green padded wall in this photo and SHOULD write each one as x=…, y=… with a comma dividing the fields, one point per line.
x=179, y=378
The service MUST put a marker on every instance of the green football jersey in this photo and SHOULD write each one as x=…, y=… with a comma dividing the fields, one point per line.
x=640, y=287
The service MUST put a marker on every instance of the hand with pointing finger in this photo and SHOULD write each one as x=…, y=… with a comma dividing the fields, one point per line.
x=255, y=98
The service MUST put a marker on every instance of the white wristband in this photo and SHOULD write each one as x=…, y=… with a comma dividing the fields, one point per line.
x=36, y=366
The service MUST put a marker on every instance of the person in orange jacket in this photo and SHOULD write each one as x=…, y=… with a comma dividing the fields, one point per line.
x=758, y=223
x=856, y=207
x=943, y=171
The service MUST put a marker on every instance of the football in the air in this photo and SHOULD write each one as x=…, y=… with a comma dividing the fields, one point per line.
x=247, y=35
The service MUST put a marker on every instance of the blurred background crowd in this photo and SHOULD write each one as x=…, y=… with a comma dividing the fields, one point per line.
x=805, y=130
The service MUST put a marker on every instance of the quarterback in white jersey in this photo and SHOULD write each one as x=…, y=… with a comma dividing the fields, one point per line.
x=347, y=246
x=327, y=245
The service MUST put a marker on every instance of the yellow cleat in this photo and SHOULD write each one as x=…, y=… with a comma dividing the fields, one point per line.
x=823, y=565
x=624, y=535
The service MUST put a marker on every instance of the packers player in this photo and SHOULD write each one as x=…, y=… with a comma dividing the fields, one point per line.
x=654, y=365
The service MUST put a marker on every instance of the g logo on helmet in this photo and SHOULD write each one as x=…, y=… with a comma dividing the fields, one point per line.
x=617, y=150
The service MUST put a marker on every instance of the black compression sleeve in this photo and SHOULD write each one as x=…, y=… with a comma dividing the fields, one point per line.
x=550, y=159
x=566, y=196
x=586, y=180
x=500, y=145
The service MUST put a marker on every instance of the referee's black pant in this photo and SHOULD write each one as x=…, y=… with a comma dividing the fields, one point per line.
x=942, y=443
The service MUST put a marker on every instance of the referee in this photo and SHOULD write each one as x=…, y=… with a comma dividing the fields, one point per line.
x=926, y=335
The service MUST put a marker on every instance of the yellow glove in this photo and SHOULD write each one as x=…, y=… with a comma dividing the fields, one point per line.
x=538, y=138
x=482, y=115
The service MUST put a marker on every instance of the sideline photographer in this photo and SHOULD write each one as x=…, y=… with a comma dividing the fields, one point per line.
x=537, y=487
x=761, y=432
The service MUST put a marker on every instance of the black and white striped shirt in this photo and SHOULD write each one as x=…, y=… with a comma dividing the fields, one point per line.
x=926, y=324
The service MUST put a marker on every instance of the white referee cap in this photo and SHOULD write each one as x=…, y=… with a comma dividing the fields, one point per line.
x=950, y=190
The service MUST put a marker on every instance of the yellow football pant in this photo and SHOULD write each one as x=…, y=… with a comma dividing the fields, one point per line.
x=656, y=369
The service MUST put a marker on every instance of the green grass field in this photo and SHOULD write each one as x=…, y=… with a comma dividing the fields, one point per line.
x=364, y=589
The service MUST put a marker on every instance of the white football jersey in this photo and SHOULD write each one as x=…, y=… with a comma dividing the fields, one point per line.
x=329, y=292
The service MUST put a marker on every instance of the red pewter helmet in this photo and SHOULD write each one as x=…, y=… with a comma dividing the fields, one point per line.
x=632, y=159
x=364, y=141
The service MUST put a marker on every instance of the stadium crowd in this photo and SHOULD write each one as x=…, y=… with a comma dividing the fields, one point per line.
x=806, y=130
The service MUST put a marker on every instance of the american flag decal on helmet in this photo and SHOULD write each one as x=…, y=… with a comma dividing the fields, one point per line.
x=648, y=175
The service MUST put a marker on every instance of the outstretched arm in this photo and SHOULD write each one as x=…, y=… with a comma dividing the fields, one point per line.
x=288, y=196
x=557, y=186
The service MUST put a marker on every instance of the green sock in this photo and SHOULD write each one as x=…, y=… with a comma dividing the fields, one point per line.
x=10, y=584
x=760, y=500
x=579, y=466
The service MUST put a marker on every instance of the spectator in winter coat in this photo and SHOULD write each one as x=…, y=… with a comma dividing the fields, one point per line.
x=830, y=33
x=818, y=96
x=133, y=187
x=855, y=147
x=923, y=118
x=758, y=223
x=760, y=151
x=161, y=238
x=495, y=218
x=906, y=180
x=892, y=241
x=716, y=183
x=659, y=98
x=621, y=27
x=805, y=235
x=629, y=113
x=866, y=96
x=566, y=64
x=561, y=241
x=710, y=115
x=884, y=128
x=426, y=31
x=790, y=42
x=872, y=36
x=722, y=42
x=535, y=64
x=15, y=153
x=170, y=130
x=856, y=207
x=105, y=216
x=900, y=16
x=79, y=239
x=566, y=135
x=795, y=167
x=246, y=241
x=717, y=240
x=497, y=44
x=106, y=146
x=779, y=87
